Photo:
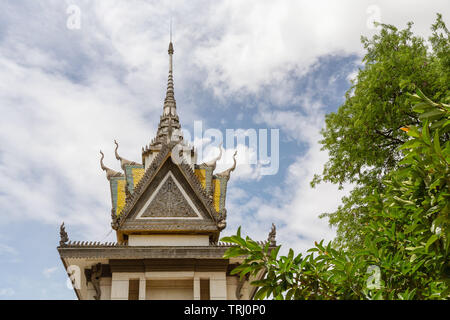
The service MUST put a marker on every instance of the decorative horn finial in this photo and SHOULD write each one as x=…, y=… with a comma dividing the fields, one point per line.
x=64, y=238
x=213, y=162
x=272, y=235
x=226, y=173
x=123, y=161
x=101, y=161
x=115, y=151
x=109, y=172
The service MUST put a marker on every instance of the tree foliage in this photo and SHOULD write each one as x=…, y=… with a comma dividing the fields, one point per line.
x=405, y=252
x=363, y=137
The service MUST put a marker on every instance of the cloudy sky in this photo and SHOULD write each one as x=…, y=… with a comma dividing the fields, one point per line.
x=69, y=87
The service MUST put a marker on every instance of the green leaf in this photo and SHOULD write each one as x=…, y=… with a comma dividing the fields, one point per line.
x=426, y=133
x=430, y=241
x=411, y=144
x=436, y=143
x=261, y=293
x=274, y=252
x=433, y=114
x=413, y=132
x=421, y=107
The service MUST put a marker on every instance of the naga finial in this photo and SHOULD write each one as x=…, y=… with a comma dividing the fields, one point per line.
x=64, y=238
x=115, y=150
x=109, y=172
x=123, y=161
x=272, y=235
x=226, y=173
x=213, y=162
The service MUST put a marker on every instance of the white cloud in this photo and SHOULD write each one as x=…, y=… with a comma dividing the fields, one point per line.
x=7, y=292
x=47, y=272
x=262, y=41
x=7, y=250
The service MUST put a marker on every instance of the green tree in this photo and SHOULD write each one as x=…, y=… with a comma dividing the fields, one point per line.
x=405, y=252
x=363, y=136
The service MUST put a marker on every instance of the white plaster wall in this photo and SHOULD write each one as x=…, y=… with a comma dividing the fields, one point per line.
x=168, y=240
x=232, y=283
x=170, y=290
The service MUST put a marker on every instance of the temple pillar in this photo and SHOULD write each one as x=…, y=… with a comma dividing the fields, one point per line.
x=142, y=287
x=218, y=286
x=196, y=288
x=119, y=287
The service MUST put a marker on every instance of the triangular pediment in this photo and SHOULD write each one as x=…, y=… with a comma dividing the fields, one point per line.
x=169, y=201
x=169, y=198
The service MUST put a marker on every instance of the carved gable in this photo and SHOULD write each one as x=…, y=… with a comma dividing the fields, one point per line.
x=169, y=201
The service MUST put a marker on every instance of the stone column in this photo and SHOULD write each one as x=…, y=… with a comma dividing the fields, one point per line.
x=119, y=287
x=142, y=287
x=218, y=286
x=196, y=288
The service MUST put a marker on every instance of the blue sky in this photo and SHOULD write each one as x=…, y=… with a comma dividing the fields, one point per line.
x=67, y=93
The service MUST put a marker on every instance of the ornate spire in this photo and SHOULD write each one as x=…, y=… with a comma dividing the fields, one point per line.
x=170, y=106
x=169, y=124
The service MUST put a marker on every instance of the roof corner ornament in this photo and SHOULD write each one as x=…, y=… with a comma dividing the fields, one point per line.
x=272, y=235
x=109, y=172
x=213, y=162
x=222, y=223
x=226, y=173
x=123, y=161
x=64, y=238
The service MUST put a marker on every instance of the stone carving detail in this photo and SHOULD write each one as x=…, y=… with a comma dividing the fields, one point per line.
x=114, y=219
x=169, y=202
x=222, y=223
x=95, y=276
x=272, y=236
x=64, y=238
